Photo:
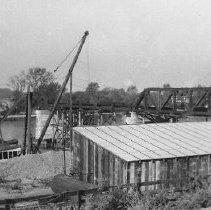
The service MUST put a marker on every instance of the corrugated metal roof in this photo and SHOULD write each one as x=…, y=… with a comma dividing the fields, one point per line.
x=152, y=141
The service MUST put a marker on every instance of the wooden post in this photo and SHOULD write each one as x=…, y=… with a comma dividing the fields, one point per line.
x=98, y=119
x=138, y=168
x=114, y=118
x=94, y=163
x=56, y=132
x=71, y=118
x=71, y=110
x=101, y=119
x=29, y=139
x=165, y=162
x=87, y=159
x=115, y=170
x=153, y=173
x=132, y=172
x=150, y=174
x=143, y=172
x=79, y=118
x=209, y=165
x=111, y=158
x=163, y=173
x=53, y=134
x=25, y=126
x=63, y=140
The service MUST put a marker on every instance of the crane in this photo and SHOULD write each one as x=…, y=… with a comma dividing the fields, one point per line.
x=61, y=91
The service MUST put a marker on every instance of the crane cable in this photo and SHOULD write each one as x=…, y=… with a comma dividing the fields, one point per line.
x=60, y=64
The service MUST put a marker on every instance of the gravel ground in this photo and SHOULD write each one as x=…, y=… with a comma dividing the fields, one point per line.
x=31, y=174
x=34, y=166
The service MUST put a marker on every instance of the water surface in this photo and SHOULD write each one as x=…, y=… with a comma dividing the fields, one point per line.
x=15, y=129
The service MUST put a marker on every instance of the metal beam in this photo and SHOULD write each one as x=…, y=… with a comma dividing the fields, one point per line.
x=181, y=105
x=200, y=100
x=140, y=99
x=178, y=89
x=166, y=101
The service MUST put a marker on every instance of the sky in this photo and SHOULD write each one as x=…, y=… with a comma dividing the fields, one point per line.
x=131, y=42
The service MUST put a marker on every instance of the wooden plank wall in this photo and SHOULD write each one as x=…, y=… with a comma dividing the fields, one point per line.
x=101, y=167
x=97, y=165
x=174, y=172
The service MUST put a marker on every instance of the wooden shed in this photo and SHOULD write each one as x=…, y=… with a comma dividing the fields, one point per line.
x=145, y=153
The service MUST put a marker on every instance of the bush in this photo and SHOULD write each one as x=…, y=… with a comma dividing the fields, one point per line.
x=118, y=198
x=194, y=195
x=153, y=200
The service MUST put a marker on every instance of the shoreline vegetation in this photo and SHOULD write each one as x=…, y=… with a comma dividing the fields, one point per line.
x=196, y=194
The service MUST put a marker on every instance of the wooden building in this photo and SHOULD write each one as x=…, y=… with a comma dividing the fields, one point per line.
x=135, y=154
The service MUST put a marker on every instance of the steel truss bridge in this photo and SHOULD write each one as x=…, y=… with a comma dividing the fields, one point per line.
x=155, y=105
x=162, y=104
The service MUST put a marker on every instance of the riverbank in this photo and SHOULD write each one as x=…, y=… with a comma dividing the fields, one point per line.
x=17, y=117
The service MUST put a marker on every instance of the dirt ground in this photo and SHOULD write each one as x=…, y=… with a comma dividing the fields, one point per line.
x=23, y=188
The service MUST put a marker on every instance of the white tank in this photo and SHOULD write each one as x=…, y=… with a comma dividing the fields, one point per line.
x=41, y=118
x=133, y=119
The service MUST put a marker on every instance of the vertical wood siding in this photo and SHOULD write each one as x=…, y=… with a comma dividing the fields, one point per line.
x=100, y=166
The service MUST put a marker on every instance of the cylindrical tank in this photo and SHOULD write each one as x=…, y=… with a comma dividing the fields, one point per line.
x=41, y=118
x=133, y=119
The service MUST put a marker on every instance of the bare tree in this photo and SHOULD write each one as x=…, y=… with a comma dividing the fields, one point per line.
x=17, y=82
x=35, y=77
x=40, y=80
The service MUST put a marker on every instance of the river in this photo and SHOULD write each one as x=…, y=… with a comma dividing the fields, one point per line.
x=14, y=129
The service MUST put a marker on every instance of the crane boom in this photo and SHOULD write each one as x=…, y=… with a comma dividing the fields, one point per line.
x=61, y=91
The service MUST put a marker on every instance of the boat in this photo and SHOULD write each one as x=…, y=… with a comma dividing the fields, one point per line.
x=9, y=149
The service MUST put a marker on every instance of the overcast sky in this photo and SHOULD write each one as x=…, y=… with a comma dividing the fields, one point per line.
x=142, y=42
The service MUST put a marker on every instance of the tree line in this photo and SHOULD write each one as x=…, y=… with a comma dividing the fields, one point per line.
x=45, y=88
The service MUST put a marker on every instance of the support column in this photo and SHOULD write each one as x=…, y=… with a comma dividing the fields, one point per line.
x=29, y=139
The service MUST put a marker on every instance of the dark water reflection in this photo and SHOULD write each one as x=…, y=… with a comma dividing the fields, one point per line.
x=15, y=129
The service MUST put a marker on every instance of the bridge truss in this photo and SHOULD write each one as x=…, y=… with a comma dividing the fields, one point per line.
x=163, y=104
